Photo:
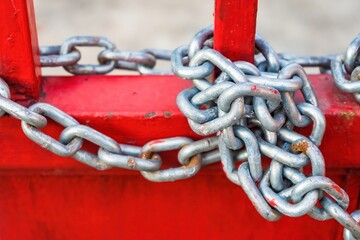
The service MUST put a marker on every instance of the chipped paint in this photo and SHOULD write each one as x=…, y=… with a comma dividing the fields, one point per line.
x=347, y=115
x=167, y=114
x=150, y=114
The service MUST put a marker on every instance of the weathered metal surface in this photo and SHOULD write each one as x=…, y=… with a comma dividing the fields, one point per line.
x=45, y=196
x=93, y=205
x=90, y=100
x=234, y=33
x=19, y=51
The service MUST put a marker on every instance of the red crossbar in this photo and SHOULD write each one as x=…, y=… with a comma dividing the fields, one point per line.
x=130, y=111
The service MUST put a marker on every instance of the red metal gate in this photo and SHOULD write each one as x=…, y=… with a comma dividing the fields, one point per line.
x=43, y=196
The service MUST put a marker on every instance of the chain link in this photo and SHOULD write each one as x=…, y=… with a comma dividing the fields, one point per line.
x=250, y=107
x=348, y=64
x=68, y=56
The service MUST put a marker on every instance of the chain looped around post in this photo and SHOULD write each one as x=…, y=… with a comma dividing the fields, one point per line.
x=250, y=108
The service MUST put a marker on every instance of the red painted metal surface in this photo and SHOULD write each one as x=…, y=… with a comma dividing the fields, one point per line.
x=60, y=205
x=126, y=109
x=43, y=196
x=47, y=197
x=19, y=51
x=234, y=28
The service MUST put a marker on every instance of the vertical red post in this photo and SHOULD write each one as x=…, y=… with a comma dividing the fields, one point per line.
x=19, y=50
x=234, y=30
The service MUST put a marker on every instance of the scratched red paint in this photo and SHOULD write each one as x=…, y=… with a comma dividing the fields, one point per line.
x=235, y=23
x=338, y=189
x=272, y=202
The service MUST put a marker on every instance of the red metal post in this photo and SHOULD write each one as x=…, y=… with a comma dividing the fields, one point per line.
x=19, y=51
x=234, y=29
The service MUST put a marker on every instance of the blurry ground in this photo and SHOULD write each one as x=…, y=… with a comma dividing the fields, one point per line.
x=301, y=26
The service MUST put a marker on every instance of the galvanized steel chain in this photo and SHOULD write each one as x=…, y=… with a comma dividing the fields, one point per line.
x=250, y=108
x=67, y=55
x=344, y=67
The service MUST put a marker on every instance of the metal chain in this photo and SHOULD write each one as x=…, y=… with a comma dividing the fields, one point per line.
x=344, y=67
x=249, y=107
x=67, y=55
x=348, y=64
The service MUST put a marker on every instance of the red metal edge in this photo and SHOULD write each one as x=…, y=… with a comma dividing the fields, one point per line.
x=19, y=58
x=131, y=110
x=234, y=29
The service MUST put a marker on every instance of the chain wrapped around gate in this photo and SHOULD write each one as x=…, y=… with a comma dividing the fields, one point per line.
x=247, y=112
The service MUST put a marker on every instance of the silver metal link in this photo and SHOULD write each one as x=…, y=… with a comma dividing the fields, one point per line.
x=85, y=132
x=255, y=196
x=308, y=92
x=192, y=149
x=347, y=234
x=350, y=64
x=22, y=113
x=322, y=62
x=188, y=72
x=199, y=39
x=158, y=54
x=45, y=140
x=193, y=112
x=293, y=210
x=323, y=183
x=120, y=57
x=352, y=56
x=341, y=216
x=128, y=161
x=50, y=57
x=190, y=169
x=4, y=93
x=88, y=41
x=272, y=59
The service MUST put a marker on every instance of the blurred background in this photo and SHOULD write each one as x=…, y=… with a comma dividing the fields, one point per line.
x=297, y=26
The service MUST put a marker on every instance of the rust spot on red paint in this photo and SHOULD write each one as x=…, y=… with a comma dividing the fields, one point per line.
x=109, y=115
x=338, y=189
x=347, y=115
x=301, y=146
x=167, y=114
x=150, y=114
